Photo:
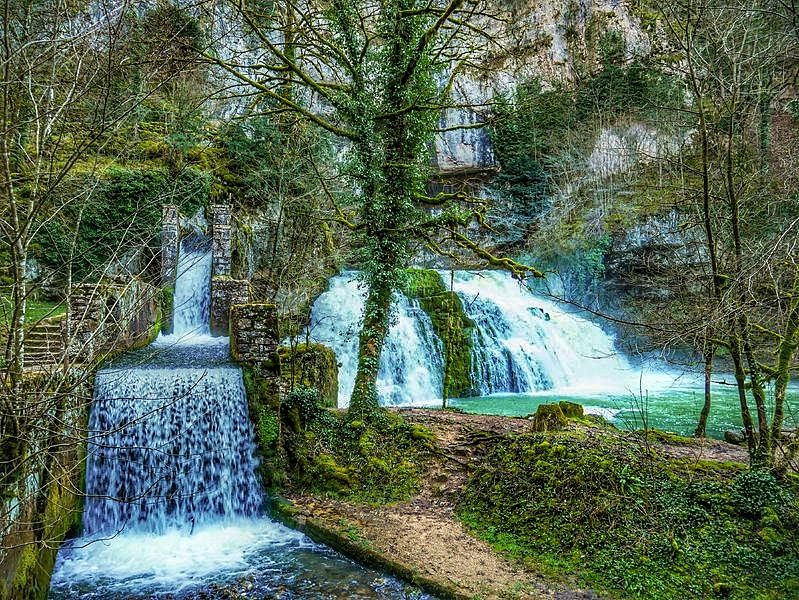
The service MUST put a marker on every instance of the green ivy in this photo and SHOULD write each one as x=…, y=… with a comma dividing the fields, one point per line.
x=121, y=214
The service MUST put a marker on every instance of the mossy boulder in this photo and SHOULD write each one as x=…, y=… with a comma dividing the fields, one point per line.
x=549, y=417
x=310, y=366
x=571, y=410
x=451, y=324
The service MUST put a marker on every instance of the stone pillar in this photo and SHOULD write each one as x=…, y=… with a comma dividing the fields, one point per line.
x=254, y=335
x=170, y=244
x=225, y=293
x=221, y=228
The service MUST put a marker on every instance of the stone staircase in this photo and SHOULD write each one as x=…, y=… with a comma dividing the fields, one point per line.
x=44, y=344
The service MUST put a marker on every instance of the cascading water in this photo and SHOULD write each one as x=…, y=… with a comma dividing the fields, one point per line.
x=192, y=294
x=183, y=437
x=172, y=497
x=525, y=343
x=411, y=366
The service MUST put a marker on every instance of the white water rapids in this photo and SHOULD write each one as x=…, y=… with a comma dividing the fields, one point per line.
x=523, y=343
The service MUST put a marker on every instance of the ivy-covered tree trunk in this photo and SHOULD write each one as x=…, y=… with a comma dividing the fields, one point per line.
x=394, y=161
x=364, y=400
x=701, y=426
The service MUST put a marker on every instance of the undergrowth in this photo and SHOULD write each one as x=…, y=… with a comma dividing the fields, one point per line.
x=376, y=461
x=600, y=508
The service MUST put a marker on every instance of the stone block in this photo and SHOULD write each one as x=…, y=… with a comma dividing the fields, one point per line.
x=248, y=343
x=225, y=293
x=222, y=236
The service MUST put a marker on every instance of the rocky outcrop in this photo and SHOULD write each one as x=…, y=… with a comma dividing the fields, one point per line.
x=527, y=39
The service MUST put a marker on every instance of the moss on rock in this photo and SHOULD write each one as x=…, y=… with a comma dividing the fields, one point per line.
x=635, y=524
x=451, y=324
x=31, y=543
x=166, y=305
x=375, y=461
x=263, y=399
x=549, y=417
x=571, y=410
x=310, y=366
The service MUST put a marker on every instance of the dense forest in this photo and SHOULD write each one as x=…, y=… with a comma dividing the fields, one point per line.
x=399, y=299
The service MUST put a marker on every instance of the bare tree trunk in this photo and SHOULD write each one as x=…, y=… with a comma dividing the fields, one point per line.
x=701, y=426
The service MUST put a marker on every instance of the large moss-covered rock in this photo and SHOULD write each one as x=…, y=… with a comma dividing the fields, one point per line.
x=549, y=417
x=310, y=366
x=571, y=410
x=451, y=325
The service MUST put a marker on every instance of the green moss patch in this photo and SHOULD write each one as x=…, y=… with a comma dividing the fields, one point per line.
x=263, y=399
x=376, y=462
x=599, y=507
x=451, y=325
x=311, y=366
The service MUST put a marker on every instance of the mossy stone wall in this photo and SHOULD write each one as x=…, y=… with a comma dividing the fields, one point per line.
x=254, y=334
x=262, y=384
x=452, y=326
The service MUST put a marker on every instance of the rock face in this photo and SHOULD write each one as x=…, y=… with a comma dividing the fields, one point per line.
x=547, y=41
x=657, y=245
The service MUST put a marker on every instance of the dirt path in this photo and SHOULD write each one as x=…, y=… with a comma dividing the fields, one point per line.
x=422, y=537
x=423, y=541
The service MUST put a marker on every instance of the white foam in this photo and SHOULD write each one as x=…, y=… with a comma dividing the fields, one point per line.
x=137, y=561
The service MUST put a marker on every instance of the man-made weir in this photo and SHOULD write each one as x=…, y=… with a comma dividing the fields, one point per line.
x=173, y=504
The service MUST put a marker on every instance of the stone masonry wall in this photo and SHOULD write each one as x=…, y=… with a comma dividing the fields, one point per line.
x=170, y=244
x=225, y=293
x=110, y=316
x=254, y=335
x=222, y=234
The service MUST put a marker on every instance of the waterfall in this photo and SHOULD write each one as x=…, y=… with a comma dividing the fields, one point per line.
x=192, y=294
x=171, y=448
x=524, y=343
x=171, y=443
x=172, y=497
x=411, y=365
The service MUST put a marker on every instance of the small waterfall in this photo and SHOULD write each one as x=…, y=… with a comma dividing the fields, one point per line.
x=411, y=366
x=171, y=448
x=192, y=294
x=525, y=343
x=412, y=363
